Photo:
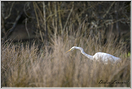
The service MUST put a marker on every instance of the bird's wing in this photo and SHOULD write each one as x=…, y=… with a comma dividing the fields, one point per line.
x=103, y=57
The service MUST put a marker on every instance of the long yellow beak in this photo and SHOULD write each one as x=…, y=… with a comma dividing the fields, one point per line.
x=68, y=50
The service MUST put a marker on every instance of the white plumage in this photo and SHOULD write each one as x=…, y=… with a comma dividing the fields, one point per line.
x=105, y=57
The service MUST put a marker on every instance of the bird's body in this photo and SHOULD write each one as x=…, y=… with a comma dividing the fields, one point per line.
x=105, y=57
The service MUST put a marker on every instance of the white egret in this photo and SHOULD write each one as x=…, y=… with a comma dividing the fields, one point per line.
x=105, y=57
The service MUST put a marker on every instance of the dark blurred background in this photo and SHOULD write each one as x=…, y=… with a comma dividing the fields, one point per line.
x=27, y=21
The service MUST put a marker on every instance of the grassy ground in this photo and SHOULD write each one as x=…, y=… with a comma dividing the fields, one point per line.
x=61, y=25
x=51, y=66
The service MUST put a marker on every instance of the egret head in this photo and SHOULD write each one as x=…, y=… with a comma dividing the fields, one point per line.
x=71, y=48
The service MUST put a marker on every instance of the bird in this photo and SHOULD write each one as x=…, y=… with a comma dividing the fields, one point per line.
x=105, y=57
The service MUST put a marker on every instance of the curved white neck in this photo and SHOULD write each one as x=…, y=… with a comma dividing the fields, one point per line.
x=87, y=55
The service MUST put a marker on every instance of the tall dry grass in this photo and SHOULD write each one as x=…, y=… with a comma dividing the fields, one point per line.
x=51, y=66
x=60, y=25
